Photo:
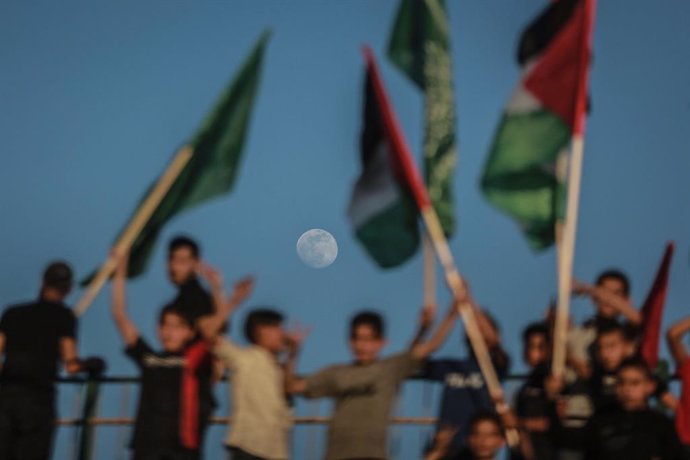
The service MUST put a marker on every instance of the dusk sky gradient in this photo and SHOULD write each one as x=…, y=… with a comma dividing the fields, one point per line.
x=97, y=96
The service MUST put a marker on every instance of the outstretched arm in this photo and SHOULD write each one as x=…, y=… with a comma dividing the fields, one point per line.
x=124, y=324
x=621, y=304
x=210, y=325
x=674, y=337
x=422, y=350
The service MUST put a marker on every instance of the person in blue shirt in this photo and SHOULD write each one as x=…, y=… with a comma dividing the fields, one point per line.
x=464, y=389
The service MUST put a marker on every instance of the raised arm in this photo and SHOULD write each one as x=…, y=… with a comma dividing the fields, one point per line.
x=124, y=324
x=674, y=336
x=422, y=350
x=621, y=304
x=426, y=319
x=294, y=340
x=210, y=325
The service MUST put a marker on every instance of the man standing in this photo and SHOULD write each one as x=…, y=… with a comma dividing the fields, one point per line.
x=34, y=338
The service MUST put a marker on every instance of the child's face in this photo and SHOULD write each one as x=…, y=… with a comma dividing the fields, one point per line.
x=181, y=265
x=366, y=344
x=614, y=286
x=271, y=337
x=174, y=333
x=536, y=350
x=611, y=350
x=485, y=439
x=633, y=388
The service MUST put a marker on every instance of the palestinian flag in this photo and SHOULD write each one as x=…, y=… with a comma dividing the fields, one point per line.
x=653, y=309
x=525, y=172
x=420, y=47
x=382, y=211
x=213, y=167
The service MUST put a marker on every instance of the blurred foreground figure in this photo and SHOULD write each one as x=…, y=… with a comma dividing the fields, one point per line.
x=34, y=338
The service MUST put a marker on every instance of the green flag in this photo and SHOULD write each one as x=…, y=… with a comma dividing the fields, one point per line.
x=217, y=147
x=420, y=47
x=525, y=171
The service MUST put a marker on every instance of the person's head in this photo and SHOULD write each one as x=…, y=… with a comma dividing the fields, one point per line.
x=367, y=336
x=492, y=322
x=175, y=329
x=631, y=334
x=183, y=259
x=263, y=327
x=536, y=344
x=611, y=345
x=634, y=384
x=57, y=281
x=485, y=439
x=616, y=282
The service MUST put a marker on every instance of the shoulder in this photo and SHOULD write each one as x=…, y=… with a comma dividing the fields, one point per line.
x=66, y=313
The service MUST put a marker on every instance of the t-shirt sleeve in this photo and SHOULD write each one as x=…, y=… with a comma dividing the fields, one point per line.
x=500, y=360
x=321, y=384
x=68, y=325
x=403, y=365
x=228, y=352
x=138, y=350
x=434, y=370
x=5, y=321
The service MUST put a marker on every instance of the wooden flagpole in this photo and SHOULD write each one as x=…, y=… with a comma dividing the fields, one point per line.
x=435, y=232
x=429, y=271
x=135, y=226
x=565, y=257
x=566, y=248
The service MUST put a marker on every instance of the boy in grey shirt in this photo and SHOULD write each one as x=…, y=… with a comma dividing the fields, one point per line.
x=365, y=390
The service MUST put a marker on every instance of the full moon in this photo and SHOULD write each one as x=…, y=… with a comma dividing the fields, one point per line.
x=317, y=248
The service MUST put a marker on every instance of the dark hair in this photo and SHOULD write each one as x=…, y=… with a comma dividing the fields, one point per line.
x=484, y=415
x=368, y=318
x=58, y=275
x=610, y=326
x=260, y=317
x=539, y=328
x=616, y=275
x=175, y=310
x=182, y=241
x=631, y=332
x=636, y=363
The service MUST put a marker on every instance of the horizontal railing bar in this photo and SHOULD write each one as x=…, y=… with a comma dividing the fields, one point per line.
x=116, y=421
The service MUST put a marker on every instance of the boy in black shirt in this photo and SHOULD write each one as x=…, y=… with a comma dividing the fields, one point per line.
x=184, y=262
x=175, y=400
x=533, y=407
x=631, y=430
x=34, y=338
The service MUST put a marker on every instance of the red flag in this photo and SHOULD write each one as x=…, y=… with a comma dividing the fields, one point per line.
x=683, y=411
x=653, y=309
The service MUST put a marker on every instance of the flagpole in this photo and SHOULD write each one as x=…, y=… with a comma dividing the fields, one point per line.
x=439, y=243
x=566, y=251
x=135, y=226
x=566, y=256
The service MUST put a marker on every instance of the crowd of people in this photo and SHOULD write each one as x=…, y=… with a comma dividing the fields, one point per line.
x=607, y=405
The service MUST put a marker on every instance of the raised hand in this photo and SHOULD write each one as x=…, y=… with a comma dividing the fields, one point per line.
x=211, y=275
x=581, y=288
x=121, y=258
x=241, y=290
x=295, y=337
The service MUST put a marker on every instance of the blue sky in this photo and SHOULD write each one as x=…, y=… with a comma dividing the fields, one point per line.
x=97, y=96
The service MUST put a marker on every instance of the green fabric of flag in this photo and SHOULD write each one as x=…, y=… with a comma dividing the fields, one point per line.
x=214, y=165
x=525, y=172
x=420, y=47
